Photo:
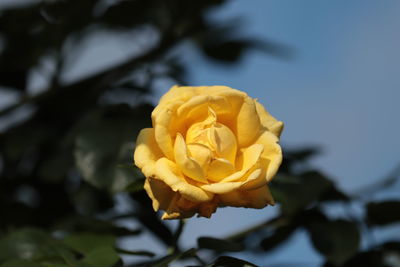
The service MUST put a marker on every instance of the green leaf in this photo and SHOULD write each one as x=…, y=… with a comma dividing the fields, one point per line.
x=382, y=213
x=297, y=192
x=393, y=246
x=135, y=186
x=231, y=262
x=86, y=242
x=277, y=237
x=102, y=257
x=371, y=258
x=105, y=140
x=88, y=224
x=20, y=263
x=136, y=252
x=32, y=244
x=336, y=240
x=219, y=245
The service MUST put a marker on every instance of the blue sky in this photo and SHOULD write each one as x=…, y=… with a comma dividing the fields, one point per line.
x=340, y=92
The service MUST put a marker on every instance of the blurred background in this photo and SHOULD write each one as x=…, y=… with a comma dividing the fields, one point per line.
x=78, y=80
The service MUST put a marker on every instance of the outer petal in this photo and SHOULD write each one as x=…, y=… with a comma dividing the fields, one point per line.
x=186, y=92
x=257, y=198
x=268, y=121
x=168, y=172
x=272, y=152
x=261, y=180
x=184, y=208
x=176, y=214
x=215, y=95
x=251, y=155
x=174, y=210
x=248, y=123
x=161, y=124
x=178, y=92
x=160, y=193
x=223, y=188
x=147, y=151
x=207, y=208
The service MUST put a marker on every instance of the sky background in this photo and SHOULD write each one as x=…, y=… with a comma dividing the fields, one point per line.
x=339, y=92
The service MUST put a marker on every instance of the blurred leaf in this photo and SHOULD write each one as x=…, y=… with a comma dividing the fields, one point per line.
x=105, y=140
x=219, y=245
x=87, y=242
x=391, y=246
x=20, y=263
x=382, y=213
x=54, y=168
x=372, y=258
x=102, y=256
x=302, y=154
x=135, y=186
x=127, y=14
x=297, y=192
x=277, y=237
x=136, y=252
x=336, y=240
x=231, y=262
x=229, y=51
x=89, y=200
x=32, y=244
x=334, y=194
x=95, y=226
x=292, y=158
x=278, y=230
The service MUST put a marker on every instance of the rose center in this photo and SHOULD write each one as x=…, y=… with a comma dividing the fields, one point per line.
x=213, y=145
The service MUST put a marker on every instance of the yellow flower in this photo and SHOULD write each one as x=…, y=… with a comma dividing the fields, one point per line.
x=209, y=147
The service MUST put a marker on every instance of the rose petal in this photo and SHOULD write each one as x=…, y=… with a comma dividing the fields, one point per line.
x=147, y=151
x=187, y=164
x=257, y=198
x=222, y=139
x=226, y=187
x=160, y=193
x=248, y=160
x=260, y=180
x=169, y=172
x=197, y=107
x=201, y=154
x=198, y=132
x=162, y=133
x=219, y=169
x=248, y=123
x=175, y=211
x=207, y=208
x=187, y=92
x=272, y=152
x=251, y=155
x=268, y=121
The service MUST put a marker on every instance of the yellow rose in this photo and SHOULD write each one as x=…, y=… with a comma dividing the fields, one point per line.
x=209, y=147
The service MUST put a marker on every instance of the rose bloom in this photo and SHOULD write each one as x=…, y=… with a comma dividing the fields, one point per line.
x=209, y=147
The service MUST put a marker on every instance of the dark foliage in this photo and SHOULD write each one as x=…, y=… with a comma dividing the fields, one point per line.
x=63, y=165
